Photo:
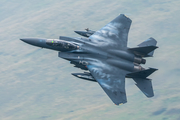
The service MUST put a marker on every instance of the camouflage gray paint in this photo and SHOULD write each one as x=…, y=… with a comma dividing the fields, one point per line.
x=107, y=58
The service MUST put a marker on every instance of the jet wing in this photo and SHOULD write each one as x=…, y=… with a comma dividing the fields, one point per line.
x=112, y=81
x=114, y=34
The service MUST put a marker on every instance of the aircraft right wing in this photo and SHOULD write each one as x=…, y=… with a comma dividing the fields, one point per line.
x=114, y=34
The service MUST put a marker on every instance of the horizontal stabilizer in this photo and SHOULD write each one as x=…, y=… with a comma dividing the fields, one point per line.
x=143, y=51
x=146, y=48
x=141, y=74
x=145, y=85
x=85, y=76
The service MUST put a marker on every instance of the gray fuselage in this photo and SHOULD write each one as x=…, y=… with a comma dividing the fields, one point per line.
x=86, y=50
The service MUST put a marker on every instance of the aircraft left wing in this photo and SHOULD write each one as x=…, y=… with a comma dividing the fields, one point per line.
x=112, y=81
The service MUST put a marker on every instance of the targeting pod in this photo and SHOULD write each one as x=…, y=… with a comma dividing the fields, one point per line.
x=85, y=76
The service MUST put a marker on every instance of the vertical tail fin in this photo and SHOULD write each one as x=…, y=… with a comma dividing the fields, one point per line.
x=145, y=85
x=145, y=49
x=142, y=82
x=149, y=42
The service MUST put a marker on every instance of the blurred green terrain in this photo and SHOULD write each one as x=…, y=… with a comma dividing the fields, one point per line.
x=37, y=85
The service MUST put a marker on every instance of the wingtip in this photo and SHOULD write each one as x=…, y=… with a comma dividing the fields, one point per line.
x=119, y=104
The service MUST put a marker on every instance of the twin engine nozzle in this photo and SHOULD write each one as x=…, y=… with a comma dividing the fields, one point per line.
x=139, y=60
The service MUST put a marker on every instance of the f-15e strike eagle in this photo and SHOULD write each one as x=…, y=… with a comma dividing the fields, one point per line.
x=106, y=56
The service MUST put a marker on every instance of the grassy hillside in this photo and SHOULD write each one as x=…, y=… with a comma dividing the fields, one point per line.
x=37, y=85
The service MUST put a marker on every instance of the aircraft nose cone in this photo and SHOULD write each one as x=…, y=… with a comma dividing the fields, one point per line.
x=26, y=40
x=33, y=41
x=21, y=39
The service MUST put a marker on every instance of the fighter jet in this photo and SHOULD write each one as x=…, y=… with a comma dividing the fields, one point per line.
x=86, y=33
x=105, y=58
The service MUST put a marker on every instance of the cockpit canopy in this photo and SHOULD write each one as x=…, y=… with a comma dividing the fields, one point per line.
x=61, y=44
